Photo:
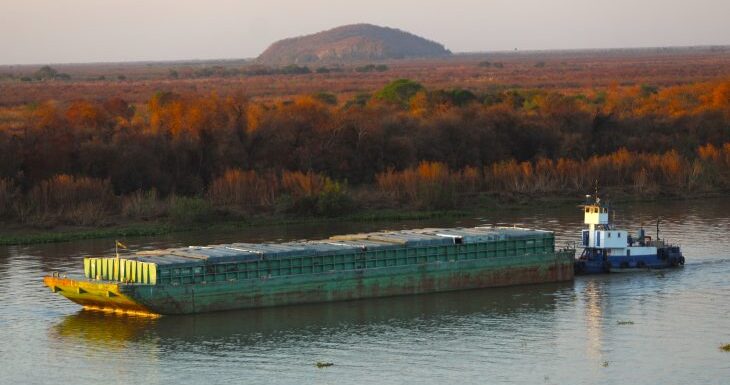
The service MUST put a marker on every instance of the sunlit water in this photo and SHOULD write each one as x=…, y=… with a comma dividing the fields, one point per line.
x=644, y=328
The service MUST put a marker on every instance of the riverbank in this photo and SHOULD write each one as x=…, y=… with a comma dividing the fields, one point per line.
x=20, y=235
x=17, y=234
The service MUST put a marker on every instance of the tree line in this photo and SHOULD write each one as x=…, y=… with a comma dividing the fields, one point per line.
x=404, y=144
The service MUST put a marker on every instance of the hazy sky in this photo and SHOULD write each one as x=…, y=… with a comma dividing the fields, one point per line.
x=54, y=31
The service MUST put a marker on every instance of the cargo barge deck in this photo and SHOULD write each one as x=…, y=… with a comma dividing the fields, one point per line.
x=245, y=275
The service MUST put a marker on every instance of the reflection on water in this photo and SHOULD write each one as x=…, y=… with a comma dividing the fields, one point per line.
x=104, y=330
x=593, y=319
x=644, y=328
x=426, y=312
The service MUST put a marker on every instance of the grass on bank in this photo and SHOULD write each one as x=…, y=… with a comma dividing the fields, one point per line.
x=22, y=237
x=193, y=214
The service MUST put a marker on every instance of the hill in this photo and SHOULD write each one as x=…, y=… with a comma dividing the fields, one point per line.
x=357, y=42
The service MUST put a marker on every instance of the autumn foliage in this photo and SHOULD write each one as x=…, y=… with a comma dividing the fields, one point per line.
x=78, y=162
x=68, y=200
x=245, y=189
x=636, y=173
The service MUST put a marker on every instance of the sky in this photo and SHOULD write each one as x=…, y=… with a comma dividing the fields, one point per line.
x=77, y=31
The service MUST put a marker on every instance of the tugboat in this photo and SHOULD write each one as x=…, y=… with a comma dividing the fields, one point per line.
x=610, y=250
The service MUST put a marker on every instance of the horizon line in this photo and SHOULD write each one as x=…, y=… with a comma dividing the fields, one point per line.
x=459, y=53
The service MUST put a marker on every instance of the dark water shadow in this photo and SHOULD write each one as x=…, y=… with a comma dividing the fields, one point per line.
x=249, y=327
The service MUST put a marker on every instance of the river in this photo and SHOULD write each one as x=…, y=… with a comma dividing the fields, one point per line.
x=662, y=327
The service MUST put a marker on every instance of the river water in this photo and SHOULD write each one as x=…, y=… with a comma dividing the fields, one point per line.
x=663, y=327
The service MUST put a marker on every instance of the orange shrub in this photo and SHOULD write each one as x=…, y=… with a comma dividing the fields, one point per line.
x=430, y=184
x=299, y=184
x=68, y=199
x=713, y=165
x=709, y=152
x=246, y=189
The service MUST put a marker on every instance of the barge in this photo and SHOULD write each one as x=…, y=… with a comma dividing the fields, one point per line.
x=199, y=279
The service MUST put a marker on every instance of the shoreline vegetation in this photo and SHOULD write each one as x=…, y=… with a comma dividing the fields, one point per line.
x=99, y=167
x=14, y=234
x=27, y=236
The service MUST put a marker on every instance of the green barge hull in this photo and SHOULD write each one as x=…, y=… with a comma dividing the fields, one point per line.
x=240, y=276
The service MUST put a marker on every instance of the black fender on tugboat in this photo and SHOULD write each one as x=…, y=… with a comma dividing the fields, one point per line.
x=607, y=266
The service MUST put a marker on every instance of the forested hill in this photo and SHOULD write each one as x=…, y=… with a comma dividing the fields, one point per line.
x=357, y=42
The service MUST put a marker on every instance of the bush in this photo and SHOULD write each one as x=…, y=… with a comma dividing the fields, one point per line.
x=143, y=205
x=68, y=200
x=399, y=91
x=326, y=98
x=299, y=184
x=457, y=97
x=184, y=210
x=294, y=69
x=9, y=193
x=358, y=100
x=245, y=190
x=334, y=200
x=313, y=194
x=372, y=68
x=45, y=73
x=86, y=214
x=430, y=185
x=50, y=73
x=303, y=205
x=302, y=190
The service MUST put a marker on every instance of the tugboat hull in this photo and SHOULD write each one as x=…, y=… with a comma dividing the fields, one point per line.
x=666, y=257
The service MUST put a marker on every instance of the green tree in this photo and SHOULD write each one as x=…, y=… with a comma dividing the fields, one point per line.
x=399, y=91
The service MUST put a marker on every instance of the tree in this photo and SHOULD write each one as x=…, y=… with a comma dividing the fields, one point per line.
x=45, y=73
x=399, y=91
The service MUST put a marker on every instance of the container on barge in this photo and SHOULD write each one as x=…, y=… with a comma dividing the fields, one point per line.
x=246, y=275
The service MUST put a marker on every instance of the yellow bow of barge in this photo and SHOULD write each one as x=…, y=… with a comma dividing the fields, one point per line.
x=244, y=275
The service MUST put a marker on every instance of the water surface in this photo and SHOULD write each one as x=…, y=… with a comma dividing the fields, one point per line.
x=644, y=328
